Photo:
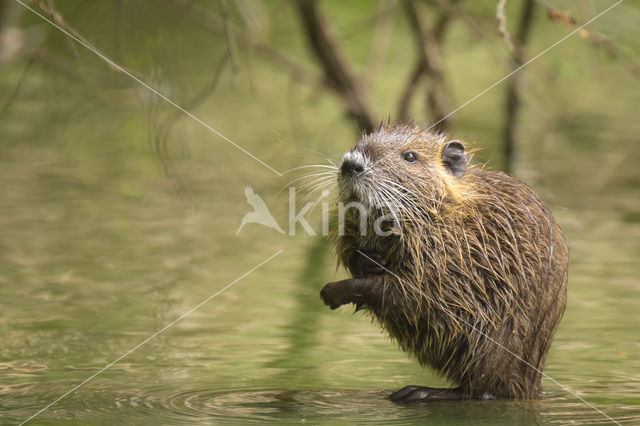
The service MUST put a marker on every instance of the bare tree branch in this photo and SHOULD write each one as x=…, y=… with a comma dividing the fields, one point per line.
x=502, y=25
x=419, y=69
x=18, y=44
x=441, y=26
x=599, y=41
x=406, y=95
x=160, y=135
x=231, y=40
x=49, y=9
x=216, y=24
x=429, y=64
x=6, y=7
x=338, y=73
x=16, y=90
x=513, y=85
x=381, y=37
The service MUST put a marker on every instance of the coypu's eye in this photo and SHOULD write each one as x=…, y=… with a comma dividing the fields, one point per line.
x=410, y=157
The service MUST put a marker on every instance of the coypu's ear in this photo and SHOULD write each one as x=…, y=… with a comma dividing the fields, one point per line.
x=454, y=158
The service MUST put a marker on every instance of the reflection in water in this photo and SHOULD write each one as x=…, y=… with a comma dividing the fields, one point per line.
x=302, y=331
x=163, y=404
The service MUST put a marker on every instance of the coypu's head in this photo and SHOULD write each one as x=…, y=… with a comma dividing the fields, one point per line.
x=406, y=170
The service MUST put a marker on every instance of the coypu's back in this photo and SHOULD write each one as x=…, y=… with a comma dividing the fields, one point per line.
x=477, y=271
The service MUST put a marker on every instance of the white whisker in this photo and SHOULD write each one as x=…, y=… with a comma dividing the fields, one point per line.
x=324, y=166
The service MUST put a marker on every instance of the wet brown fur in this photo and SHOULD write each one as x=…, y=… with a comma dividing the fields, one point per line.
x=477, y=272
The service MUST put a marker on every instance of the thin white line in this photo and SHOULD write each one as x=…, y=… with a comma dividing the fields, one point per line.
x=526, y=63
x=147, y=86
x=454, y=316
x=150, y=337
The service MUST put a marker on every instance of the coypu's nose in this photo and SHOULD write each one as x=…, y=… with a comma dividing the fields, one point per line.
x=351, y=167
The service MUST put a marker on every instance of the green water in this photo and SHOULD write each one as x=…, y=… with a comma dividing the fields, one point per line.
x=101, y=247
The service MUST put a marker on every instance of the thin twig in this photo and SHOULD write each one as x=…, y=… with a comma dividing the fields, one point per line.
x=49, y=9
x=597, y=40
x=502, y=25
x=216, y=24
x=17, y=88
x=161, y=134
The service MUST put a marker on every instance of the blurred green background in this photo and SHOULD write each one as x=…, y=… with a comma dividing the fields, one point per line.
x=118, y=214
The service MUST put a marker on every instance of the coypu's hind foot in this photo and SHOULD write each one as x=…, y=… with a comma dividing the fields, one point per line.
x=423, y=394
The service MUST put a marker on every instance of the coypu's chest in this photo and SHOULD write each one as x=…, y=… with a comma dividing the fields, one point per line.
x=503, y=237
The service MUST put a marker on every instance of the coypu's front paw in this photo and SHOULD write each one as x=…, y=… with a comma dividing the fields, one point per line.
x=336, y=294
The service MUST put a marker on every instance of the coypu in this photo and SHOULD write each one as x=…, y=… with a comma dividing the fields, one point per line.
x=470, y=275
